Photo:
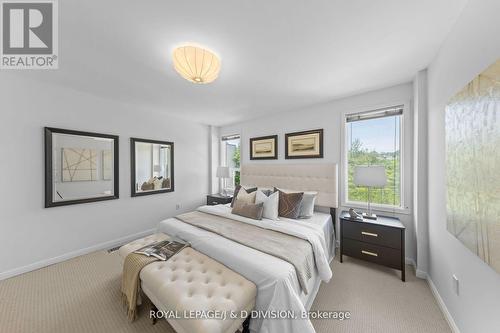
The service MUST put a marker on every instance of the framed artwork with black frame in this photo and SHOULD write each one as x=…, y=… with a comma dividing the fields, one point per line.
x=264, y=148
x=80, y=167
x=152, y=166
x=305, y=144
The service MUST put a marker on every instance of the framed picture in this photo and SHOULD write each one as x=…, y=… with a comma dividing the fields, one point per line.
x=80, y=167
x=306, y=144
x=152, y=166
x=264, y=148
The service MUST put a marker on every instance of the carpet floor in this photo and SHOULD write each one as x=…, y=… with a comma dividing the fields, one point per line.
x=82, y=295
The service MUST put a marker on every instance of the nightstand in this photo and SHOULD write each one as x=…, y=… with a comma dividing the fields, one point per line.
x=381, y=241
x=217, y=199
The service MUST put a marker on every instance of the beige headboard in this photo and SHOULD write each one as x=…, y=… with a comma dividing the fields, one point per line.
x=322, y=178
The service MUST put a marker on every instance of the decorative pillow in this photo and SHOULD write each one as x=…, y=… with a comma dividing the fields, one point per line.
x=245, y=197
x=147, y=186
x=166, y=183
x=253, y=211
x=157, y=184
x=237, y=190
x=271, y=203
x=266, y=190
x=307, y=205
x=290, y=204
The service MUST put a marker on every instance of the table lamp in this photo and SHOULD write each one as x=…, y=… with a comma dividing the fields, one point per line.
x=370, y=177
x=223, y=173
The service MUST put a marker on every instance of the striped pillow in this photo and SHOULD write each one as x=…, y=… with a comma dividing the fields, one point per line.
x=290, y=204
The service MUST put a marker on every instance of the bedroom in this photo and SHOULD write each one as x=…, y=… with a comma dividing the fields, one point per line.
x=301, y=93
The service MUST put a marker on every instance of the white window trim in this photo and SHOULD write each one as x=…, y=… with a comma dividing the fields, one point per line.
x=406, y=153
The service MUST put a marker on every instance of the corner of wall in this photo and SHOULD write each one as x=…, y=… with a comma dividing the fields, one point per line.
x=420, y=188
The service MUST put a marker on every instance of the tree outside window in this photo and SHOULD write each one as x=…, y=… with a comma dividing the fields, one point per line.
x=232, y=159
x=375, y=142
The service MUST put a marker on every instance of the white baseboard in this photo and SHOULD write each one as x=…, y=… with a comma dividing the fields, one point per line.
x=421, y=274
x=442, y=306
x=73, y=254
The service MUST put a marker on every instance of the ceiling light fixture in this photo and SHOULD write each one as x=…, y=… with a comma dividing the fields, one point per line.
x=196, y=64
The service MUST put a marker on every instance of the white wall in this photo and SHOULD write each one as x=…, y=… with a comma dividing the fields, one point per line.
x=471, y=46
x=329, y=117
x=31, y=235
x=420, y=190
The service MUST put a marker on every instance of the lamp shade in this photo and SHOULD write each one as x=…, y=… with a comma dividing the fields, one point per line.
x=222, y=172
x=196, y=64
x=370, y=176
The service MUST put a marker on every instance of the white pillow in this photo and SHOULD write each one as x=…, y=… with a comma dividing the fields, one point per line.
x=271, y=204
x=307, y=205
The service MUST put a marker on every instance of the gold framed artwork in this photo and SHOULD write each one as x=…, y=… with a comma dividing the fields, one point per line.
x=472, y=124
x=264, y=148
x=306, y=144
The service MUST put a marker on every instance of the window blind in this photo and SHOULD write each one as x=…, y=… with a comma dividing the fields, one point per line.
x=379, y=113
x=230, y=137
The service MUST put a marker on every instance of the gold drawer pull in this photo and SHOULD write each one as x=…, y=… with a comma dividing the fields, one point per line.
x=369, y=253
x=369, y=234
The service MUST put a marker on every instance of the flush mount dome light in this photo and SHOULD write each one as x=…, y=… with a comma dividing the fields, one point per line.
x=196, y=64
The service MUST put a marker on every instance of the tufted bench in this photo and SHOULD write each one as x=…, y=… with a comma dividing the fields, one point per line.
x=191, y=281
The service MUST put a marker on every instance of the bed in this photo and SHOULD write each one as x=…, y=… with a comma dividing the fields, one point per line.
x=278, y=288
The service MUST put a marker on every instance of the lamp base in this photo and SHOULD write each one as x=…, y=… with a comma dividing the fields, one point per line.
x=370, y=217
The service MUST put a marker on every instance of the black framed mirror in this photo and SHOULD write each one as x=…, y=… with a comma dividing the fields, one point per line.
x=152, y=166
x=80, y=167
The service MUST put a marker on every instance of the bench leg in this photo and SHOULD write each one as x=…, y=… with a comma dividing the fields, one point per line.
x=246, y=325
x=155, y=309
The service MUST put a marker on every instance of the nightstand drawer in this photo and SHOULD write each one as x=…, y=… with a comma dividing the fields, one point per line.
x=371, y=252
x=372, y=233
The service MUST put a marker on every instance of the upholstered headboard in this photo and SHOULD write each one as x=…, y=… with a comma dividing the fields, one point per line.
x=322, y=178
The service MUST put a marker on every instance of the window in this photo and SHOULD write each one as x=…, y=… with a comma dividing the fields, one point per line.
x=231, y=158
x=375, y=138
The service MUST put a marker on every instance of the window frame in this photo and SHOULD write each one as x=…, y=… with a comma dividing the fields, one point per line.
x=405, y=156
x=223, y=159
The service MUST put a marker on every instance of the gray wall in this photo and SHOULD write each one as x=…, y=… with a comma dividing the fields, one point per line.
x=473, y=45
x=42, y=236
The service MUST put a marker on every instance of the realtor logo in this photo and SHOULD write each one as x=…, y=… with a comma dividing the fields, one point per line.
x=29, y=34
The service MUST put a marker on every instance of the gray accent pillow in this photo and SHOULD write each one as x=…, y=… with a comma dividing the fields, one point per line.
x=307, y=205
x=253, y=211
x=237, y=189
x=290, y=204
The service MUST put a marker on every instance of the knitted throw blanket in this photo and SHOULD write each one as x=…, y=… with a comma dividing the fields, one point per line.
x=131, y=284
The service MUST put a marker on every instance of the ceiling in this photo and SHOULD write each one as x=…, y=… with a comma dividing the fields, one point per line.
x=275, y=55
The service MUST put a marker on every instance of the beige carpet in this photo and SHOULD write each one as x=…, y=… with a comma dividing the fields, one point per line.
x=82, y=295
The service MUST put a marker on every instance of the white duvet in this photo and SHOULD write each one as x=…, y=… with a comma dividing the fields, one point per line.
x=277, y=286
